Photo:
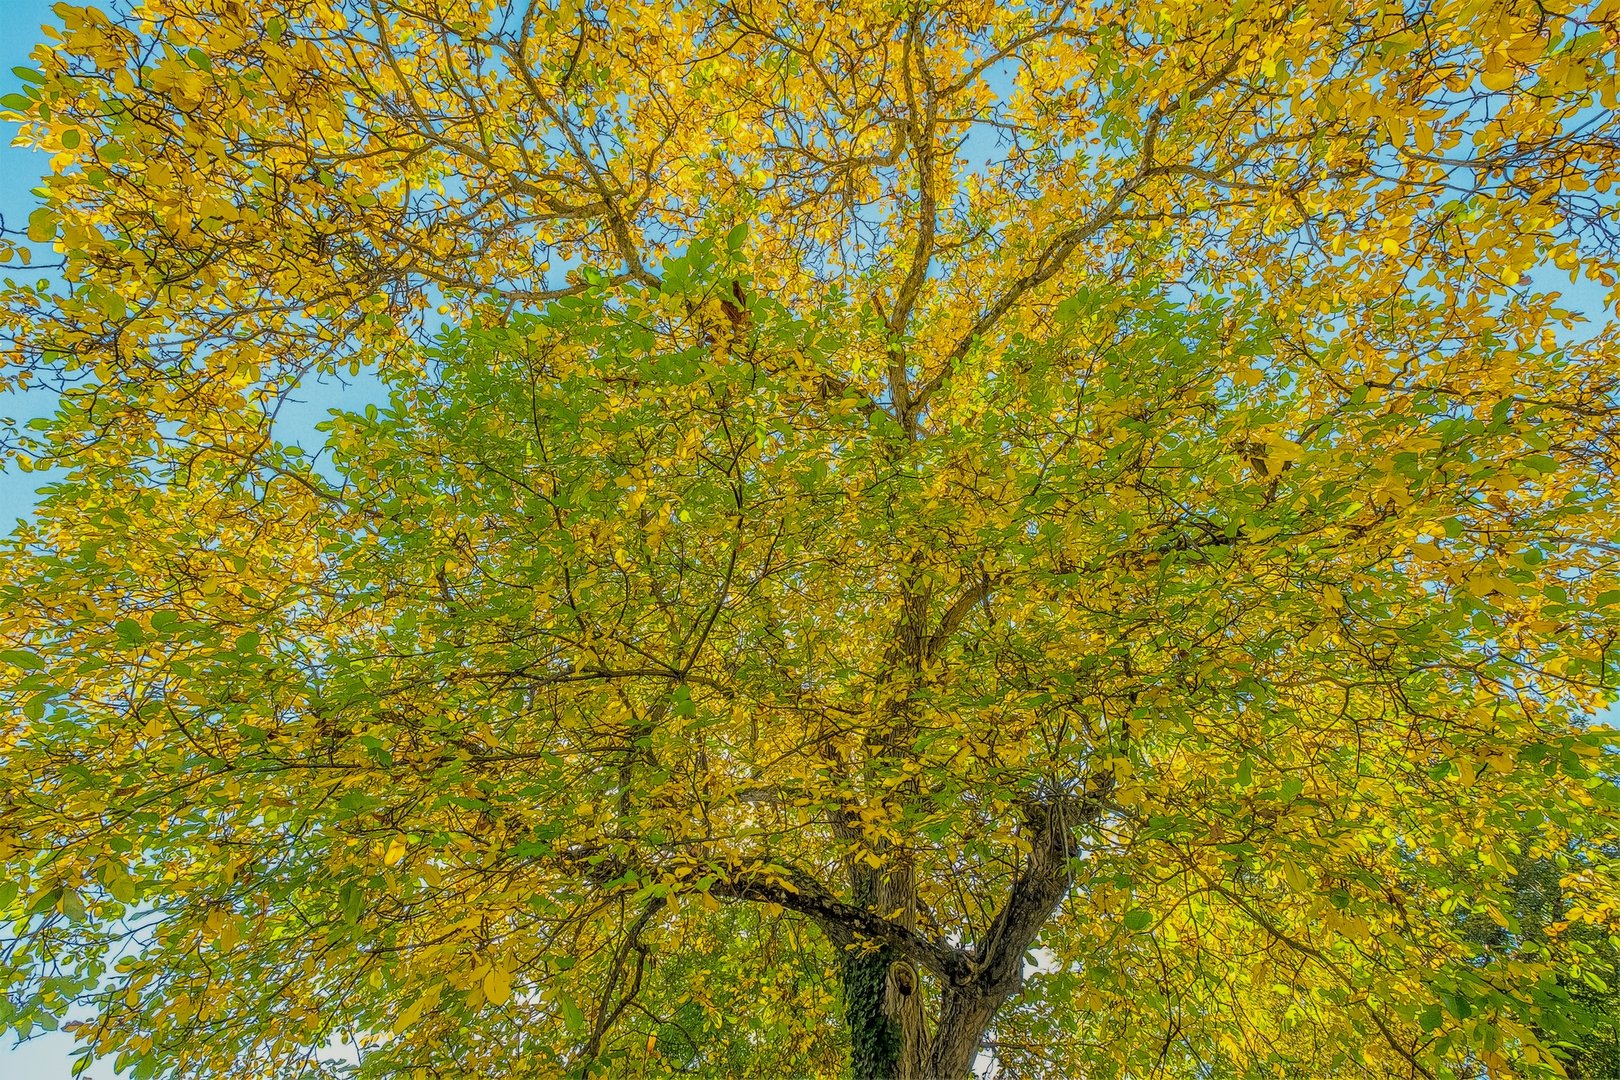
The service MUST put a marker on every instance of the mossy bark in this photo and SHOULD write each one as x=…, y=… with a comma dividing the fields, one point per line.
x=875, y=1042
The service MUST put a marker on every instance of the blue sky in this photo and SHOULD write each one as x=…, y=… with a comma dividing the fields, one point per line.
x=46, y=1057
x=19, y=172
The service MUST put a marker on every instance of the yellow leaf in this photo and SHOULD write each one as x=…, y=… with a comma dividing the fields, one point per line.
x=497, y=985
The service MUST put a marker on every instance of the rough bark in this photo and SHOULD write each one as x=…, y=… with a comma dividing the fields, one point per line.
x=903, y=1003
x=902, y=987
x=964, y=1017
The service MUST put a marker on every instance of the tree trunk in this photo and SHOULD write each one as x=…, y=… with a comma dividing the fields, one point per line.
x=875, y=1042
x=883, y=990
x=883, y=987
x=903, y=988
x=963, y=1020
x=879, y=1043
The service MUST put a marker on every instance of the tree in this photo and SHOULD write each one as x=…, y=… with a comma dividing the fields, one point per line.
x=901, y=533
x=1591, y=1013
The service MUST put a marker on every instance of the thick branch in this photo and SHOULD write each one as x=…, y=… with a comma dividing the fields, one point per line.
x=1055, y=255
x=973, y=594
x=970, y=1005
x=1042, y=882
x=920, y=134
x=844, y=923
x=606, y=1011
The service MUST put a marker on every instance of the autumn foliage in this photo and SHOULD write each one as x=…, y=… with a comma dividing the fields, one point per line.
x=901, y=534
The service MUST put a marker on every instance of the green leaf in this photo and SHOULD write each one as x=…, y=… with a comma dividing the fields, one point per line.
x=45, y=901
x=108, y=301
x=1138, y=919
x=681, y=702
x=19, y=658
x=42, y=225
x=571, y=1014
x=122, y=889
x=352, y=902
x=1541, y=463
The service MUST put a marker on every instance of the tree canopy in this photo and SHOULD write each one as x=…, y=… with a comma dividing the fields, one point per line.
x=903, y=534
